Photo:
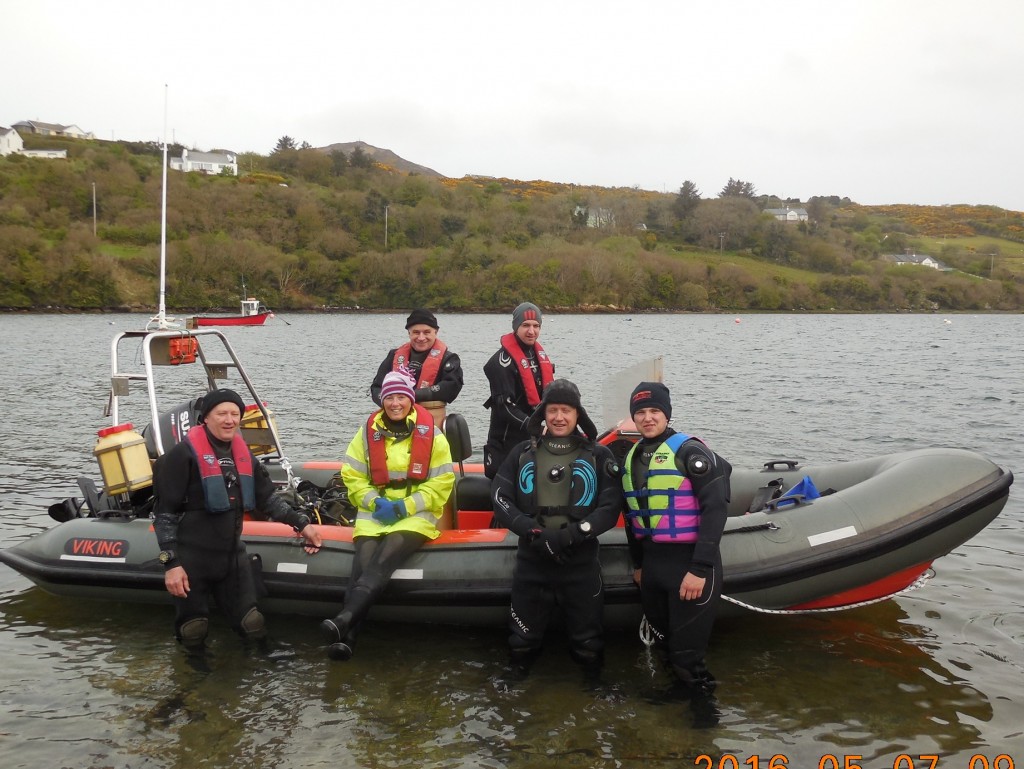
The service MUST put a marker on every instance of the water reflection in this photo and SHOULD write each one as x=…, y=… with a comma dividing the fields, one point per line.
x=862, y=679
x=104, y=685
x=422, y=695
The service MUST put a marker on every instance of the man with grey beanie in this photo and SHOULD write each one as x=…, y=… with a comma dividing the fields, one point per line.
x=517, y=373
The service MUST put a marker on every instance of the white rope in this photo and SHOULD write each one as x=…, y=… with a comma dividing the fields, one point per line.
x=646, y=632
x=648, y=636
x=920, y=581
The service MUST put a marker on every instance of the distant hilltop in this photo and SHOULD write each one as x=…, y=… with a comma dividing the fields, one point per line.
x=384, y=157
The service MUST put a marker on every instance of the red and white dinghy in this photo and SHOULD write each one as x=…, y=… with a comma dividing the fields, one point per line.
x=253, y=313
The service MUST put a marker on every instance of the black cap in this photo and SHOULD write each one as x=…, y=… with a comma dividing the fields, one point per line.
x=650, y=395
x=215, y=398
x=565, y=392
x=418, y=316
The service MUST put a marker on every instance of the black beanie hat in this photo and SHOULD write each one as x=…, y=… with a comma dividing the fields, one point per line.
x=215, y=398
x=418, y=316
x=565, y=392
x=524, y=312
x=650, y=395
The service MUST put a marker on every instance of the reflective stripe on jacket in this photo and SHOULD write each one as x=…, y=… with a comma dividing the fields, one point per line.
x=424, y=500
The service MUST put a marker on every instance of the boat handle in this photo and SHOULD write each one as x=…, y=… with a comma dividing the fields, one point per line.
x=794, y=500
x=773, y=464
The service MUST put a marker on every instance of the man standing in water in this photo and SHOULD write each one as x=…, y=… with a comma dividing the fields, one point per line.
x=676, y=491
x=203, y=487
x=436, y=369
x=517, y=374
x=558, y=492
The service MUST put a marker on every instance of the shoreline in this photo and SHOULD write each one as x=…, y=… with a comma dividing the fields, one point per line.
x=555, y=310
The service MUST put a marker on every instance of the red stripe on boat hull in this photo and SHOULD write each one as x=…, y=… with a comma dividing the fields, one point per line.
x=882, y=588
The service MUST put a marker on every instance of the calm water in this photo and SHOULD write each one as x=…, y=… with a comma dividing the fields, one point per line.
x=938, y=671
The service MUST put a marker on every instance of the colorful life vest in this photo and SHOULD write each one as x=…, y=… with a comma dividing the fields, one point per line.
x=510, y=343
x=419, y=454
x=671, y=512
x=215, y=490
x=431, y=363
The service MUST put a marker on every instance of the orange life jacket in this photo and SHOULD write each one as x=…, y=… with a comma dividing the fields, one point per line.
x=431, y=364
x=419, y=455
x=510, y=343
x=215, y=490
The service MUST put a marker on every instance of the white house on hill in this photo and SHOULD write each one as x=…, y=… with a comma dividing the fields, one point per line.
x=12, y=144
x=10, y=141
x=52, y=129
x=205, y=162
x=922, y=260
x=788, y=214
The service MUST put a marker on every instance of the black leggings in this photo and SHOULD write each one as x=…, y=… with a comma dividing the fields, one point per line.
x=376, y=560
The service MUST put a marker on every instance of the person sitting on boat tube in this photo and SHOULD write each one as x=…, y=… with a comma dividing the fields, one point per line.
x=558, y=491
x=517, y=373
x=203, y=487
x=676, y=491
x=398, y=473
x=436, y=369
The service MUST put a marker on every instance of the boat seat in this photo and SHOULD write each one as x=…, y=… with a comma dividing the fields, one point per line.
x=471, y=497
x=99, y=503
x=456, y=430
x=173, y=425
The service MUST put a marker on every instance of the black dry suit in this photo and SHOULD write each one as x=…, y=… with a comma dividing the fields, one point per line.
x=208, y=544
x=558, y=495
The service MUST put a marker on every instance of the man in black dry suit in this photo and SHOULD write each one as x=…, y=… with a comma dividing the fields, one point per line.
x=558, y=491
x=203, y=487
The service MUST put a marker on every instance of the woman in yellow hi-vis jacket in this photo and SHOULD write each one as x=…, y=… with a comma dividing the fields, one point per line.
x=398, y=473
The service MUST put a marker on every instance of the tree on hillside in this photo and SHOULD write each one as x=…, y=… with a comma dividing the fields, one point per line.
x=339, y=162
x=735, y=188
x=686, y=201
x=359, y=158
x=285, y=143
x=725, y=223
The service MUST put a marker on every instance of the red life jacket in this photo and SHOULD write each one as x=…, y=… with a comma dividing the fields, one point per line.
x=419, y=455
x=510, y=343
x=431, y=364
x=215, y=490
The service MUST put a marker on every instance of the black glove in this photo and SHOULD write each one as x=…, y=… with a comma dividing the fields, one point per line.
x=553, y=542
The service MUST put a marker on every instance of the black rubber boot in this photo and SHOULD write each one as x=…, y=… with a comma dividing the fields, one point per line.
x=591, y=662
x=696, y=684
x=336, y=628
x=520, y=662
x=340, y=651
x=339, y=631
x=698, y=679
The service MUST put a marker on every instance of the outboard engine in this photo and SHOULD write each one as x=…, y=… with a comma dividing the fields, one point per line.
x=173, y=425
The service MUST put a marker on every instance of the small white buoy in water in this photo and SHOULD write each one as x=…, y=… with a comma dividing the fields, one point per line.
x=947, y=320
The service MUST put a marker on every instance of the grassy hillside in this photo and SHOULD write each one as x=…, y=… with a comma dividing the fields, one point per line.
x=306, y=229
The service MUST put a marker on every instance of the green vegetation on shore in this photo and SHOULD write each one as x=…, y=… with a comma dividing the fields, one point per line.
x=307, y=230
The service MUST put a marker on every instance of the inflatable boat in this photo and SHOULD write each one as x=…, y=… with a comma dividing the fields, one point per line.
x=815, y=537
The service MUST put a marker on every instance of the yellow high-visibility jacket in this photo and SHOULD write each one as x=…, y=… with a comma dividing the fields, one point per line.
x=424, y=500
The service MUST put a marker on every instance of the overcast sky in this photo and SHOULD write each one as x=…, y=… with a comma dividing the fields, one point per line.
x=882, y=101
